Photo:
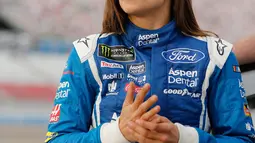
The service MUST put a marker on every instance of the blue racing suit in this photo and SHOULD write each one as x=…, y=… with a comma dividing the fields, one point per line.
x=197, y=81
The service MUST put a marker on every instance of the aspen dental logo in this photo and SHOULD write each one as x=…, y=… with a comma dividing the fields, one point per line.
x=181, y=77
x=117, y=53
x=63, y=90
x=183, y=55
x=148, y=39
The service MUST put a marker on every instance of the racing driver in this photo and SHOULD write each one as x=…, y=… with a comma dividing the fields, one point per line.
x=151, y=76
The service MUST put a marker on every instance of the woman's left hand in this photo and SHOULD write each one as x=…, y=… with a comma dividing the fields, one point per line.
x=159, y=130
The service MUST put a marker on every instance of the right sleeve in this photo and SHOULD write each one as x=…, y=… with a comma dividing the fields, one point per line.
x=70, y=118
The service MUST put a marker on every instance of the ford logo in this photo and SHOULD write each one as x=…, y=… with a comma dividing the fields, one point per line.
x=183, y=55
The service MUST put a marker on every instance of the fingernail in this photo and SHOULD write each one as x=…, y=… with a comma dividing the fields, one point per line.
x=147, y=85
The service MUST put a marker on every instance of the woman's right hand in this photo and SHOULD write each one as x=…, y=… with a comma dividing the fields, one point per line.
x=134, y=109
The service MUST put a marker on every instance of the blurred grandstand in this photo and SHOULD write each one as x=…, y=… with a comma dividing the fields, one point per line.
x=36, y=36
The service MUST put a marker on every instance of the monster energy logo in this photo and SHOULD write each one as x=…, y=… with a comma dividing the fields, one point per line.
x=106, y=51
x=117, y=53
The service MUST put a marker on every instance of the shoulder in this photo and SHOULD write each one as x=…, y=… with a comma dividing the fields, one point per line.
x=85, y=47
x=219, y=50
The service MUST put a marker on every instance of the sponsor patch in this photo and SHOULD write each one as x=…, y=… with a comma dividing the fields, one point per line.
x=137, y=79
x=148, y=39
x=50, y=136
x=182, y=92
x=117, y=53
x=249, y=126
x=246, y=110
x=55, y=114
x=84, y=41
x=111, y=65
x=242, y=90
x=220, y=47
x=63, y=90
x=236, y=69
x=112, y=87
x=137, y=88
x=113, y=76
x=181, y=77
x=138, y=68
x=183, y=55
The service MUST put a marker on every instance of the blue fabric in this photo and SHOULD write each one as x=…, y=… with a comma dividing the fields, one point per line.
x=174, y=64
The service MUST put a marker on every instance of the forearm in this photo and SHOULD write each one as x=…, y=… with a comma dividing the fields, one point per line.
x=195, y=135
x=106, y=133
x=93, y=136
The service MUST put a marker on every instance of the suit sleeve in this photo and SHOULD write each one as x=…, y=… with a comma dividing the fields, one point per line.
x=70, y=119
x=227, y=107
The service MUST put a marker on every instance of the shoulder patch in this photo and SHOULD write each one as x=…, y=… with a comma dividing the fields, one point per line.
x=219, y=50
x=86, y=47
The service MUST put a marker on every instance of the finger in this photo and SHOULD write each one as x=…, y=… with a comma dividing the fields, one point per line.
x=164, y=127
x=142, y=135
x=141, y=94
x=155, y=119
x=145, y=106
x=157, y=131
x=132, y=125
x=164, y=119
x=150, y=114
x=130, y=94
x=147, y=125
x=142, y=139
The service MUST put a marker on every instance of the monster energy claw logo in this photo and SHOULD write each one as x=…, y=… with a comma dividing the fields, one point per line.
x=106, y=51
x=116, y=53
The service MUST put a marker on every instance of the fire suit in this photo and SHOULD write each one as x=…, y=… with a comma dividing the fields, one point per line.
x=197, y=81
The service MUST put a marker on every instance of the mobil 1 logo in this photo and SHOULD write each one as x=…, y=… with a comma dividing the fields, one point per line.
x=117, y=53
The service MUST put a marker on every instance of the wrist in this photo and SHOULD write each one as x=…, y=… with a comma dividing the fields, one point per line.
x=187, y=134
x=111, y=133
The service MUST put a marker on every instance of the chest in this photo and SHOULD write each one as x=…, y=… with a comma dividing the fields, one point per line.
x=176, y=76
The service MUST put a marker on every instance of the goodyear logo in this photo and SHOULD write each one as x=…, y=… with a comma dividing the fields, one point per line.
x=50, y=136
x=117, y=53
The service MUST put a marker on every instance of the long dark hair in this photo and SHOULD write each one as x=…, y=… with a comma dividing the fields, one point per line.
x=181, y=10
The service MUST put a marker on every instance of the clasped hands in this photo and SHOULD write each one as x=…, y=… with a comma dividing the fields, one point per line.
x=139, y=124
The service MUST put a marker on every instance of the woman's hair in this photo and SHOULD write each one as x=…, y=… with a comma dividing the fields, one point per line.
x=181, y=11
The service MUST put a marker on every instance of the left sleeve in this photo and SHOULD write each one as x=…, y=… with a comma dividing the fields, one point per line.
x=227, y=107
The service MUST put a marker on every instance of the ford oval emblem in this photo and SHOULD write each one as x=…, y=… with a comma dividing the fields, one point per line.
x=183, y=55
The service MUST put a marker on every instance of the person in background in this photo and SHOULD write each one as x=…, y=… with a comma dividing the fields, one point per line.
x=151, y=76
x=245, y=50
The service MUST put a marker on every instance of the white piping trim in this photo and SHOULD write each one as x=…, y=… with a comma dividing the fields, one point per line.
x=94, y=71
x=93, y=118
x=207, y=122
x=209, y=72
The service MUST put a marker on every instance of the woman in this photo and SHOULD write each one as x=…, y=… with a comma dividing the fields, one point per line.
x=104, y=95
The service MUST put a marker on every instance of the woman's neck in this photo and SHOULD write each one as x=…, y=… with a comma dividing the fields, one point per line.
x=152, y=20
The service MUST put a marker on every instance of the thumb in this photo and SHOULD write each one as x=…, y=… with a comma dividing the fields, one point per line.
x=130, y=94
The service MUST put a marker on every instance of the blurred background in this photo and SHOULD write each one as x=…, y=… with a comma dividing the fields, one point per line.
x=36, y=36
